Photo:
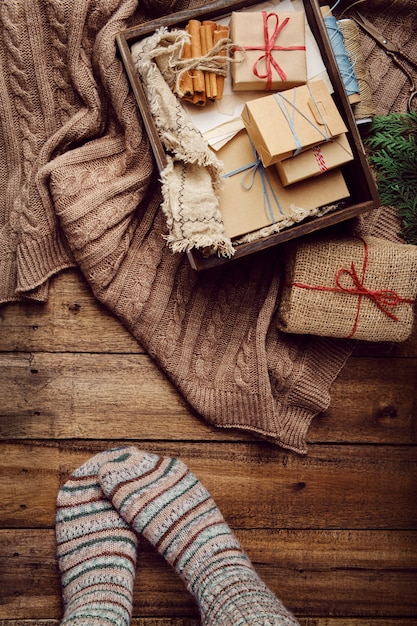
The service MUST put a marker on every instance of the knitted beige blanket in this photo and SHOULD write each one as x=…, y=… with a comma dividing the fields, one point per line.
x=78, y=187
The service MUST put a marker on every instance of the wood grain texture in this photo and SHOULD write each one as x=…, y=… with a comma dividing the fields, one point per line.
x=334, y=533
x=313, y=572
x=55, y=358
x=65, y=322
x=256, y=486
x=78, y=395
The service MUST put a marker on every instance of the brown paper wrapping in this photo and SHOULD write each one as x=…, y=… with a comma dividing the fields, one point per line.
x=242, y=197
x=309, y=306
x=247, y=29
x=307, y=113
x=315, y=161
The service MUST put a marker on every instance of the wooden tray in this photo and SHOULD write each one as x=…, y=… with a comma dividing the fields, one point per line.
x=363, y=192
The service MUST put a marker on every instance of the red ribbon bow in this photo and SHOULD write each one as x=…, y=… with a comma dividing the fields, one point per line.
x=269, y=47
x=384, y=299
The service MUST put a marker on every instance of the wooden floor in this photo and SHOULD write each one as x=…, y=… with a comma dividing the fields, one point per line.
x=333, y=533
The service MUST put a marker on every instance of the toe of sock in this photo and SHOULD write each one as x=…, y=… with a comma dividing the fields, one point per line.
x=130, y=464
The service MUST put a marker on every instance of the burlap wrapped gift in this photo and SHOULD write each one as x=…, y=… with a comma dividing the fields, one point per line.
x=350, y=287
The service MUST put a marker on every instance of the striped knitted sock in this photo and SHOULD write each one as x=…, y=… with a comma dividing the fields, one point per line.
x=161, y=499
x=96, y=550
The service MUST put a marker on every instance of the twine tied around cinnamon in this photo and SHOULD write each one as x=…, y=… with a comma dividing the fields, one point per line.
x=212, y=61
x=269, y=47
x=384, y=299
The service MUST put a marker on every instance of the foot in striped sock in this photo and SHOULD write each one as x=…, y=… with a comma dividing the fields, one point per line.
x=161, y=499
x=96, y=550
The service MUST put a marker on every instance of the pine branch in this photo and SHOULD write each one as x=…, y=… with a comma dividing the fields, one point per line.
x=392, y=143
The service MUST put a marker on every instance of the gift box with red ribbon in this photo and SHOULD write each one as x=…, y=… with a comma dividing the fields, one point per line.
x=284, y=124
x=360, y=288
x=315, y=161
x=269, y=50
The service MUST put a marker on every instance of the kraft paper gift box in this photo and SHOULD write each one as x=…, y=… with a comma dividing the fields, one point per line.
x=361, y=288
x=273, y=55
x=283, y=124
x=315, y=161
x=253, y=197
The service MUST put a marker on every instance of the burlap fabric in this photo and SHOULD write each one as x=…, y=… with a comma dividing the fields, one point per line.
x=78, y=187
x=349, y=287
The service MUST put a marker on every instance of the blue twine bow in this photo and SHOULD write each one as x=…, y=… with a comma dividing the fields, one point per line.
x=251, y=169
x=289, y=116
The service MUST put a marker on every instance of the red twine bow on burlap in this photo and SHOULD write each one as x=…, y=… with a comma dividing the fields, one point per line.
x=269, y=47
x=384, y=299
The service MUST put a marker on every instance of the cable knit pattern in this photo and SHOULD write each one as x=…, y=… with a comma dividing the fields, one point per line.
x=390, y=86
x=65, y=96
x=36, y=248
x=78, y=186
x=24, y=93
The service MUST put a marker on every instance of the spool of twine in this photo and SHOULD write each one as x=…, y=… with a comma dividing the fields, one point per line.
x=346, y=69
x=365, y=108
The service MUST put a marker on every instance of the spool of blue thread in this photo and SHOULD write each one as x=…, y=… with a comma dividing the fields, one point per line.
x=346, y=69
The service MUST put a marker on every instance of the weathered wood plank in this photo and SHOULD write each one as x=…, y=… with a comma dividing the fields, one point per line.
x=80, y=395
x=255, y=485
x=69, y=395
x=355, y=573
x=287, y=510
x=74, y=321
x=372, y=400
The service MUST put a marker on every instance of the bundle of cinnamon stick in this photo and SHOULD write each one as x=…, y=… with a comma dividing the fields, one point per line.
x=197, y=85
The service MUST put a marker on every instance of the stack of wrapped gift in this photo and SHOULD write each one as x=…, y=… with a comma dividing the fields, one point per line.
x=285, y=165
x=253, y=196
x=287, y=123
x=299, y=130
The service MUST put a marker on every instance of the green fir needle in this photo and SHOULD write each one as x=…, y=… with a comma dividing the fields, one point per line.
x=392, y=144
